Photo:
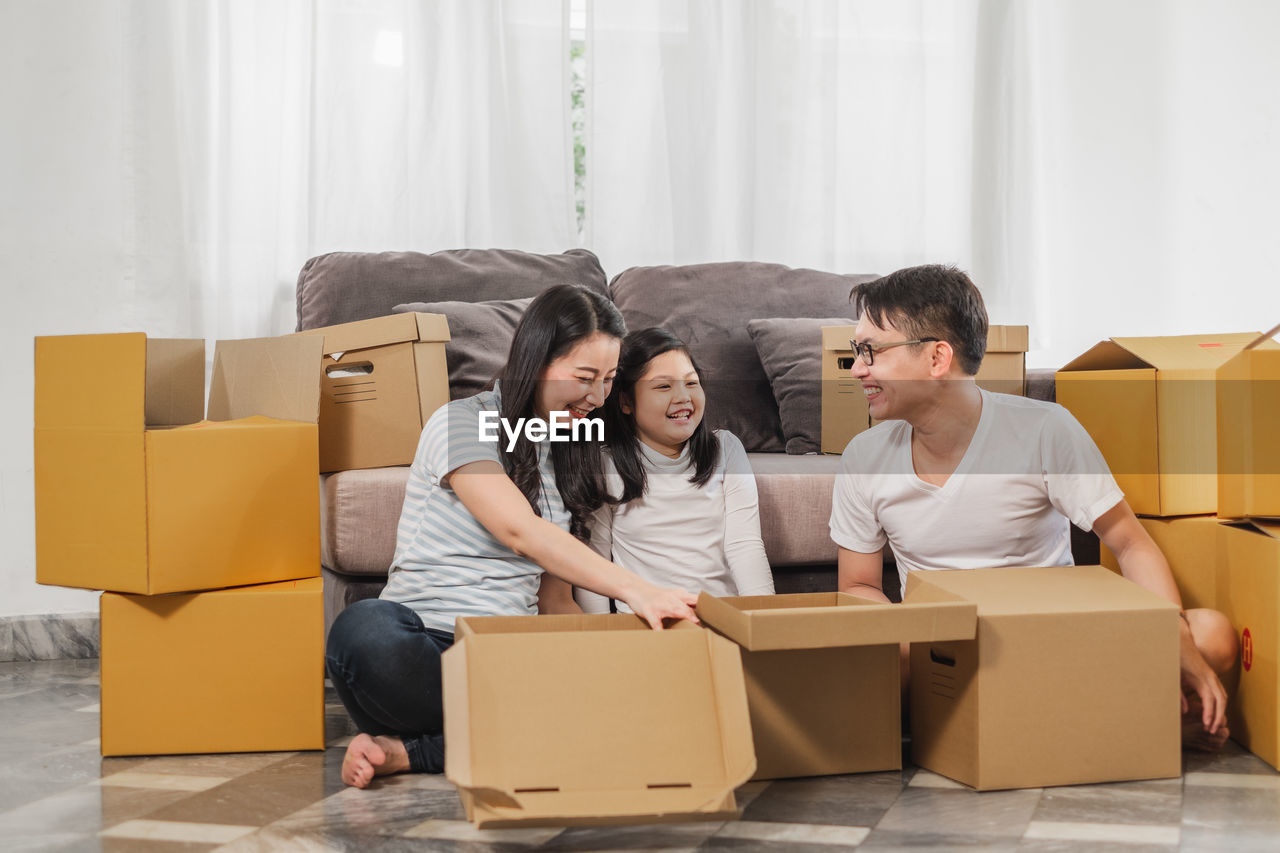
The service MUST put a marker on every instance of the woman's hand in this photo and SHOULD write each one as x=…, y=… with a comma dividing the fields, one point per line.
x=655, y=603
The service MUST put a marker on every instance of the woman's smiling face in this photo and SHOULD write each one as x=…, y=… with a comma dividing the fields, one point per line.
x=579, y=381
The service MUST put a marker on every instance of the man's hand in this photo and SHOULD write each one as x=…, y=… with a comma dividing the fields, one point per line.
x=1199, y=679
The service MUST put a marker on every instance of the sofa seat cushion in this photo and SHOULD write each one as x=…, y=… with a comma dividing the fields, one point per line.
x=360, y=510
x=708, y=306
x=342, y=287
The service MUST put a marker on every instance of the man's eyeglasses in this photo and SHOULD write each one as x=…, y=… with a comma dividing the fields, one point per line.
x=868, y=353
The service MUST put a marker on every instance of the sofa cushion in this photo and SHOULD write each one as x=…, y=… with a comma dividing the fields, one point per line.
x=708, y=306
x=790, y=350
x=342, y=287
x=360, y=510
x=480, y=335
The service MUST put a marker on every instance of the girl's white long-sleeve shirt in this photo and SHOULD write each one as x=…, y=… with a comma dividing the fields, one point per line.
x=680, y=535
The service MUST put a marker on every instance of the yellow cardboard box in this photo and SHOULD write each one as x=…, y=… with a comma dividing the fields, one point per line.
x=1073, y=678
x=135, y=493
x=844, y=408
x=381, y=379
x=1248, y=389
x=233, y=670
x=1190, y=544
x=564, y=720
x=1249, y=594
x=822, y=673
x=1150, y=405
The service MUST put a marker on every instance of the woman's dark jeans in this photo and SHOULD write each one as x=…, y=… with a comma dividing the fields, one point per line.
x=385, y=667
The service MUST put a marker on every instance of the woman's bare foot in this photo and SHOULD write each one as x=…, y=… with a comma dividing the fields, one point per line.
x=373, y=755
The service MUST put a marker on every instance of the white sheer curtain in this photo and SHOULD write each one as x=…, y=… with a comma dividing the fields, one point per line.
x=1101, y=168
x=168, y=167
x=264, y=133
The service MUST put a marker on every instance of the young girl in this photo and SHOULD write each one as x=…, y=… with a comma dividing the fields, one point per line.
x=479, y=527
x=688, y=513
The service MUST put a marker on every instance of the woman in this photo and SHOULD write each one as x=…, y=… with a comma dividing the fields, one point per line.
x=482, y=521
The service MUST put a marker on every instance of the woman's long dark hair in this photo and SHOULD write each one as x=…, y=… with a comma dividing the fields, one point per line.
x=555, y=322
x=638, y=349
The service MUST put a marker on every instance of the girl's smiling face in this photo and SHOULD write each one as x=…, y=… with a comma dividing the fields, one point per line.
x=579, y=381
x=668, y=402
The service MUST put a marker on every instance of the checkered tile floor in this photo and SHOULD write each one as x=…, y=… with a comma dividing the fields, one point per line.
x=57, y=793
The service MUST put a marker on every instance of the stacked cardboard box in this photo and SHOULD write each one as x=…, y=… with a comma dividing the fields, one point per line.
x=1248, y=397
x=204, y=534
x=1187, y=426
x=380, y=381
x=844, y=407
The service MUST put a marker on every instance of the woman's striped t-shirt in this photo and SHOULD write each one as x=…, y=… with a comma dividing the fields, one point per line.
x=447, y=564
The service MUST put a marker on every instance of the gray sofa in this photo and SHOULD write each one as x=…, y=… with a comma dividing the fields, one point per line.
x=710, y=306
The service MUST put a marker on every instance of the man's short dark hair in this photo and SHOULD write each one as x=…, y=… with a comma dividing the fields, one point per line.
x=930, y=301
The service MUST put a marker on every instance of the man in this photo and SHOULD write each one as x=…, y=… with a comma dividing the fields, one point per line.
x=962, y=478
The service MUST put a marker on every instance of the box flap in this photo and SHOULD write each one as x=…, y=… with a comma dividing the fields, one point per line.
x=1008, y=338
x=175, y=382
x=1264, y=340
x=1187, y=352
x=1105, y=355
x=831, y=620
x=94, y=381
x=655, y=723
x=276, y=377
x=380, y=332
x=1040, y=590
x=465, y=626
x=1265, y=526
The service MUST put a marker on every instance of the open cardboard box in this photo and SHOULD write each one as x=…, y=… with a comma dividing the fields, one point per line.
x=134, y=492
x=844, y=407
x=822, y=674
x=381, y=379
x=1073, y=678
x=1249, y=594
x=1248, y=396
x=232, y=670
x=1150, y=405
x=564, y=720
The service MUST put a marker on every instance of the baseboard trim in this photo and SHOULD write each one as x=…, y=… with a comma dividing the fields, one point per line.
x=55, y=636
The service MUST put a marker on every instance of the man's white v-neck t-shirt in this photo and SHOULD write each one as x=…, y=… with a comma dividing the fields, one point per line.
x=1029, y=468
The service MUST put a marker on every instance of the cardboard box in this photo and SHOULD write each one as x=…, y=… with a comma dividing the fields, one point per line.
x=1073, y=678
x=822, y=672
x=1248, y=396
x=234, y=670
x=1249, y=594
x=1150, y=405
x=135, y=493
x=844, y=407
x=564, y=720
x=1190, y=544
x=380, y=379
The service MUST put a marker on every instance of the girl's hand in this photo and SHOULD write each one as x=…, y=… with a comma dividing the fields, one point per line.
x=655, y=603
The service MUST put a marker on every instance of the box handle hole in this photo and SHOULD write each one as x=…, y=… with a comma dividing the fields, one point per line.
x=342, y=371
x=938, y=657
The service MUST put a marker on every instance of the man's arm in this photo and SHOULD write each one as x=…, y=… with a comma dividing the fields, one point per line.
x=1141, y=562
x=861, y=574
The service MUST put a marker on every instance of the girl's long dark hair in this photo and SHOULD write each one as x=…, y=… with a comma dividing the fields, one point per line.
x=555, y=322
x=638, y=349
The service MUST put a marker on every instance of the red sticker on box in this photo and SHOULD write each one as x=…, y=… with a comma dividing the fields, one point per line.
x=1207, y=346
x=1246, y=650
